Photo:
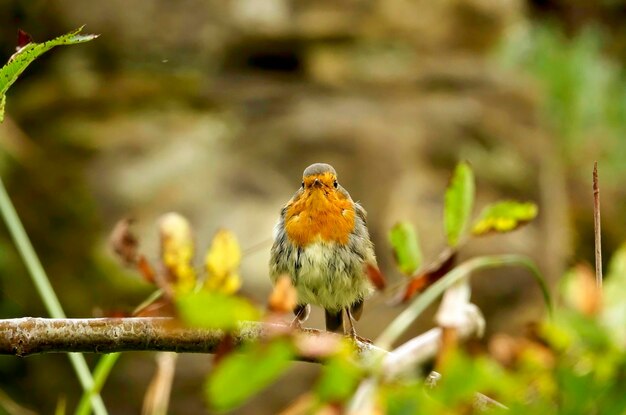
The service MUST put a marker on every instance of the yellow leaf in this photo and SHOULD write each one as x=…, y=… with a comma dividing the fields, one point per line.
x=504, y=216
x=222, y=263
x=177, y=250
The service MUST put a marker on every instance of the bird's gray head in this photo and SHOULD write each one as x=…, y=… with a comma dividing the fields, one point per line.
x=319, y=168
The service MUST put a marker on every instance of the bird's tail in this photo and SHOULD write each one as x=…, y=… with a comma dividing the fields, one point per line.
x=334, y=320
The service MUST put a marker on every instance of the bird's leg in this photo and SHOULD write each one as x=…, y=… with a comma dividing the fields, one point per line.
x=302, y=312
x=352, y=332
x=296, y=324
x=351, y=323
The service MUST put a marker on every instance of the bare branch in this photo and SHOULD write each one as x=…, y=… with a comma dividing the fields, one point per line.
x=33, y=335
x=28, y=335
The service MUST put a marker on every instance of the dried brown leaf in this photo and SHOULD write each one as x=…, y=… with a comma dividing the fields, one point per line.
x=505, y=348
x=432, y=274
x=124, y=243
x=303, y=405
x=145, y=269
x=511, y=351
x=284, y=297
x=161, y=307
x=23, y=39
x=376, y=277
x=583, y=294
x=226, y=347
x=157, y=398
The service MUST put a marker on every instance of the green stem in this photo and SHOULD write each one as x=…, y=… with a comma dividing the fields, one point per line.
x=46, y=292
x=100, y=375
x=404, y=320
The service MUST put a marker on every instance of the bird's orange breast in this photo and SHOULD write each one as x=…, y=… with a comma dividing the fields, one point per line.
x=317, y=216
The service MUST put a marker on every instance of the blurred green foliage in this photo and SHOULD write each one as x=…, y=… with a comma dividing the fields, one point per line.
x=579, y=370
x=504, y=216
x=215, y=310
x=575, y=364
x=583, y=91
x=405, y=244
x=459, y=203
x=240, y=375
x=340, y=377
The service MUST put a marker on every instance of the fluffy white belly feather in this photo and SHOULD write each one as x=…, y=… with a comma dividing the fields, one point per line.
x=329, y=276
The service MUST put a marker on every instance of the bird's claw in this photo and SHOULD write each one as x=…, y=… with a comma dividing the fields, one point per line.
x=357, y=339
x=296, y=324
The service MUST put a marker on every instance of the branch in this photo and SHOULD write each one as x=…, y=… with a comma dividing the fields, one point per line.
x=27, y=336
x=33, y=335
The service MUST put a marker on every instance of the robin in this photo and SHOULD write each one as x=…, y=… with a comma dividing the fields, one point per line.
x=321, y=241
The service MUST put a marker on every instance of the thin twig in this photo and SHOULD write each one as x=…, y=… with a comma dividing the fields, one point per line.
x=597, y=226
x=157, y=398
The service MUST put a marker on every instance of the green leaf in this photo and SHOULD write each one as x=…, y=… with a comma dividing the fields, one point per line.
x=215, y=310
x=43, y=286
x=240, y=375
x=458, y=203
x=403, y=398
x=614, y=292
x=26, y=55
x=406, y=247
x=3, y=100
x=100, y=375
x=61, y=407
x=504, y=216
x=340, y=377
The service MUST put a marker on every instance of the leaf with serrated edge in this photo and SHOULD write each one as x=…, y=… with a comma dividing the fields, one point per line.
x=458, y=203
x=2, y=102
x=26, y=55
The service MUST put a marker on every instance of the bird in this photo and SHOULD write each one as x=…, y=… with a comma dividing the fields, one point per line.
x=322, y=243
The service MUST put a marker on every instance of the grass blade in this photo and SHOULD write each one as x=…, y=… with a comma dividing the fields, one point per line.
x=100, y=375
x=45, y=290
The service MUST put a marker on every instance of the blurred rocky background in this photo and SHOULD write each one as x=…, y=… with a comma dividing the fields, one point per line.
x=213, y=108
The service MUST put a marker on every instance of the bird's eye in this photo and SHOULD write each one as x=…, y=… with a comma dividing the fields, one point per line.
x=335, y=184
x=302, y=184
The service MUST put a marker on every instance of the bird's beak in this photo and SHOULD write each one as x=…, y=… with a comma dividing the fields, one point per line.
x=317, y=183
